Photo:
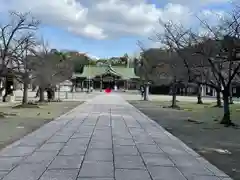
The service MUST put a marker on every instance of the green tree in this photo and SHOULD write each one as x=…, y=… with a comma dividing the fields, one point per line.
x=79, y=62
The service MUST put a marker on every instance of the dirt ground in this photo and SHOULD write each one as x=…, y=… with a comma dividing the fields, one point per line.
x=16, y=123
x=197, y=126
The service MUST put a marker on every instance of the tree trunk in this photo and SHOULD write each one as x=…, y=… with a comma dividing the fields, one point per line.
x=8, y=87
x=41, y=94
x=199, y=94
x=49, y=95
x=53, y=94
x=1, y=88
x=231, y=100
x=101, y=84
x=219, y=102
x=226, y=117
x=174, y=100
x=146, y=92
x=174, y=96
x=186, y=90
x=230, y=95
x=37, y=93
x=73, y=86
x=25, y=92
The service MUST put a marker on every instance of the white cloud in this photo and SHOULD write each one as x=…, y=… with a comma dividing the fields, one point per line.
x=101, y=19
x=199, y=2
x=89, y=30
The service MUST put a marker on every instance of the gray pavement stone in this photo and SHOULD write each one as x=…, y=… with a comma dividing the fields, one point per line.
x=156, y=160
x=96, y=169
x=132, y=174
x=89, y=123
x=85, y=129
x=172, y=151
x=129, y=162
x=125, y=150
x=60, y=174
x=95, y=179
x=165, y=173
x=99, y=155
x=121, y=135
x=51, y=147
x=40, y=158
x=73, y=150
x=79, y=135
x=32, y=141
x=78, y=142
x=147, y=148
x=100, y=145
x=100, y=137
x=99, y=130
x=59, y=139
x=200, y=170
x=103, y=128
x=66, y=162
x=26, y=172
x=123, y=142
x=18, y=151
x=195, y=177
x=8, y=163
x=69, y=134
x=3, y=173
x=136, y=130
x=143, y=139
x=184, y=161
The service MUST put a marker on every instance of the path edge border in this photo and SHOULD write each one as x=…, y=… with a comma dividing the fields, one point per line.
x=217, y=172
x=17, y=142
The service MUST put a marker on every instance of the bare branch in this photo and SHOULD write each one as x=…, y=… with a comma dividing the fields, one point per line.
x=13, y=35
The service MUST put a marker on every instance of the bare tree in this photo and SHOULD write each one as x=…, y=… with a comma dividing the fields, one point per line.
x=11, y=38
x=214, y=55
x=142, y=67
x=163, y=67
x=168, y=70
x=49, y=69
x=22, y=64
x=176, y=39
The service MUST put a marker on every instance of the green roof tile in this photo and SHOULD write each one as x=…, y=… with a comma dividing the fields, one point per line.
x=93, y=71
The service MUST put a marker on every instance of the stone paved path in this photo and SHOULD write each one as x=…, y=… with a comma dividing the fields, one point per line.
x=104, y=139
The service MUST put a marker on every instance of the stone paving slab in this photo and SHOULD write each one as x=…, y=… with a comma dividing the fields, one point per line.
x=105, y=138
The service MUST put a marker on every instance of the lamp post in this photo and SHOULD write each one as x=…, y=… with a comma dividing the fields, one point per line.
x=89, y=77
x=88, y=89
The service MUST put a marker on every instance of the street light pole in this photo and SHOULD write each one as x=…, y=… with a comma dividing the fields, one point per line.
x=88, y=76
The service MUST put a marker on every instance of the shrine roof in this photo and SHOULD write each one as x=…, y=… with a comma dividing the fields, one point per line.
x=94, y=71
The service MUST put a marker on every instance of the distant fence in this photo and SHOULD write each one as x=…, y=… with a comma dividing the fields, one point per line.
x=62, y=95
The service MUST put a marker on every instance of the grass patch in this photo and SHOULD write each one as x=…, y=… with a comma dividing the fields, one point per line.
x=206, y=112
x=19, y=121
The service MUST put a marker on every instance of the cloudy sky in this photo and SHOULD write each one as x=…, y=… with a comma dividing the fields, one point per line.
x=105, y=28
